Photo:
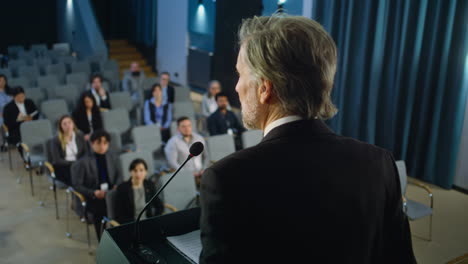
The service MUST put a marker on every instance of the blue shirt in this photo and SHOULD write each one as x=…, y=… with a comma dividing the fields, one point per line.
x=4, y=99
x=159, y=112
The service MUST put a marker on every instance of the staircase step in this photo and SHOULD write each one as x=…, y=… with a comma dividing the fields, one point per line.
x=126, y=63
x=119, y=50
x=126, y=56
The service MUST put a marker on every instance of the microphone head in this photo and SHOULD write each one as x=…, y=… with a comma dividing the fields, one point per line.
x=196, y=149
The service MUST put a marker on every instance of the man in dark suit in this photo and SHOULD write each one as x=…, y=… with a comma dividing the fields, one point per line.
x=168, y=90
x=17, y=111
x=95, y=174
x=101, y=96
x=304, y=194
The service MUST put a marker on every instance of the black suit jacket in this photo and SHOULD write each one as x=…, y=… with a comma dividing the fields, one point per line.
x=170, y=94
x=304, y=195
x=82, y=123
x=218, y=123
x=125, y=209
x=10, y=115
x=57, y=155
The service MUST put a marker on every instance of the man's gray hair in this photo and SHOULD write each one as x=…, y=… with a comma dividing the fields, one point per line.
x=297, y=56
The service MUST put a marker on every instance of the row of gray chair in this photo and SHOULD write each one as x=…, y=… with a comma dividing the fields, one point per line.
x=37, y=49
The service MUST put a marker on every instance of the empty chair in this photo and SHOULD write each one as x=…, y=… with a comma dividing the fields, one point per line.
x=62, y=48
x=38, y=47
x=110, y=65
x=68, y=61
x=113, y=78
x=27, y=56
x=34, y=136
x=128, y=157
x=251, y=138
x=42, y=64
x=6, y=72
x=14, y=50
x=54, y=109
x=182, y=94
x=117, y=121
x=96, y=62
x=48, y=83
x=149, y=82
x=58, y=69
x=80, y=79
x=13, y=65
x=181, y=191
x=415, y=210
x=220, y=146
x=81, y=66
x=35, y=94
x=53, y=55
x=68, y=92
x=29, y=72
x=20, y=81
x=183, y=109
x=147, y=138
x=121, y=100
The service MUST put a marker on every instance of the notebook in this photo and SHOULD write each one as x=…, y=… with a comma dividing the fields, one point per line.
x=188, y=245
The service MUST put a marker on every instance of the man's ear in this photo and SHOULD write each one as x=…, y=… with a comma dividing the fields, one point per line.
x=265, y=92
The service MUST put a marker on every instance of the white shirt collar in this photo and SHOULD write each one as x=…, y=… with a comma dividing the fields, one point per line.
x=279, y=122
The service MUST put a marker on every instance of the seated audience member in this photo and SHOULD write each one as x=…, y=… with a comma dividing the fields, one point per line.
x=5, y=98
x=133, y=82
x=157, y=112
x=87, y=115
x=223, y=121
x=209, y=105
x=101, y=96
x=177, y=148
x=95, y=174
x=168, y=92
x=17, y=111
x=132, y=195
x=68, y=146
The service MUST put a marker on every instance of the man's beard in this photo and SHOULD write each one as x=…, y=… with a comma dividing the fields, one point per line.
x=250, y=110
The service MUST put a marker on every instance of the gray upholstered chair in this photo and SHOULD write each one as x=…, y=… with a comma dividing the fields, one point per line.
x=48, y=82
x=220, y=146
x=251, y=138
x=54, y=109
x=415, y=210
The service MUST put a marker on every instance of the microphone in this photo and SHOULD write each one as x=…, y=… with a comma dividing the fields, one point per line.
x=195, y=150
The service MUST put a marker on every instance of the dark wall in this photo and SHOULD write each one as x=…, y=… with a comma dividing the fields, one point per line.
x=28, y=22
x=113, y=18
x=229, y=15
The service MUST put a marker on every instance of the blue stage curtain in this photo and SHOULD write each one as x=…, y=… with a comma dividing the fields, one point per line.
x=143, y=13
x=399, y=78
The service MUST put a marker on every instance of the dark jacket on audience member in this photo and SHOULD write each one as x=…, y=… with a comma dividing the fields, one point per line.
x=170, y=94
x=103, y=103
x=304, y=195
x=218, y=123
x=82, y=123
x=85, y=174
x=10, y=116
x=125, y=209
x=57, y=154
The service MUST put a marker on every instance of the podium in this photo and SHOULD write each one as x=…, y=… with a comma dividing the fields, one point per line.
x=116, y=243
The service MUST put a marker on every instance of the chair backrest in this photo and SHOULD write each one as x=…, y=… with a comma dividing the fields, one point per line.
x=147, y=138
x=251, y=138
x=29, y=72
x=181, y=190
x=110, y=65
x=68, y=92
x=121, y=100
x=401, y=166
x=36, y=132
x=48, y=83
x=63, y=48
x=128, y=157
x=220, y=146
x=6, y=72
x=14, y=50
x=113, y=78
x=13, y=65
x=35, y=94
x=111, y=204
x=81, y=66
x=20, y=81
x=184, y=109
x=149, y=82
x=54, y=109
x=58, y=69
x=78, y=78
x=116, y=120
x=39, y=47
x=182, y=94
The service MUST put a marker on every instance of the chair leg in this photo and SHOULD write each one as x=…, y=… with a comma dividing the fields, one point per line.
x=9, y=157
x=430, y=228
x=54, y=186
x=87, y=232
x=68, y=234
x=31, y=180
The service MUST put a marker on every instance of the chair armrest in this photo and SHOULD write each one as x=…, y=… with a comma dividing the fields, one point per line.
x=77, y=194
x=5, y=130
x=114, y=223
x=25, y=147
x=425, y=187
x=170, y=207
x=51, y=169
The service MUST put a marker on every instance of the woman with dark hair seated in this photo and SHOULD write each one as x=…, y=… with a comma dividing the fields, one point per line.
x=87, y=115
x=132, y=195
x=158, y=112
x=68, y=146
